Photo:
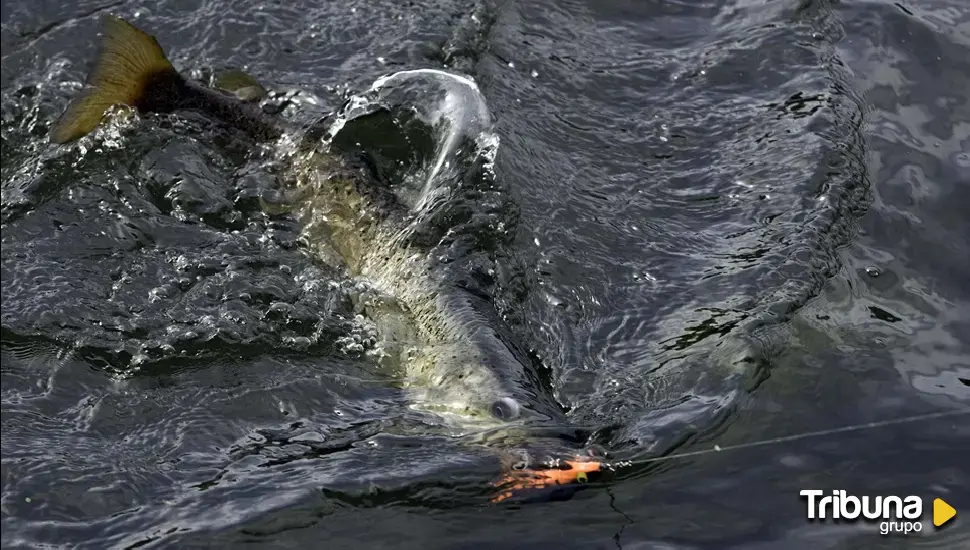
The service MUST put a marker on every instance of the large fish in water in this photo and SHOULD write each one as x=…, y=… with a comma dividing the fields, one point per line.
x=457, y=357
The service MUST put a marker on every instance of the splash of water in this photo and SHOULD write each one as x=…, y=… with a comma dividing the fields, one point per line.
x=451, y=104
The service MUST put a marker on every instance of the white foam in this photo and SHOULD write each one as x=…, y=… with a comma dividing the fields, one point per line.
x=461, y=111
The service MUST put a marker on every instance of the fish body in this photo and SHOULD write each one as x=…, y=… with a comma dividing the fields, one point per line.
x=457, y=357
x=455, y=352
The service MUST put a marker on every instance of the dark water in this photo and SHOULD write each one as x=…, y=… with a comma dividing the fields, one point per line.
x=735, y=222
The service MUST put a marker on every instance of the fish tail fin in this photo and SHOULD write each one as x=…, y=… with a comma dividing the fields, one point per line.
x=131, y=70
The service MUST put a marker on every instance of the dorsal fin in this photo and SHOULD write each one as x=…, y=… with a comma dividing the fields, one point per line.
x=240, y=84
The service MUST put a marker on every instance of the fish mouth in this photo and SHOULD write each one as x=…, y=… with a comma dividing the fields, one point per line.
x=540, y=457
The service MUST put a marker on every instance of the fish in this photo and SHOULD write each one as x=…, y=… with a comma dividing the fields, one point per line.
x=458, y=358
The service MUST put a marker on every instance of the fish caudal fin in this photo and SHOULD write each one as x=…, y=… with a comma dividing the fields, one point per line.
x=132, y=70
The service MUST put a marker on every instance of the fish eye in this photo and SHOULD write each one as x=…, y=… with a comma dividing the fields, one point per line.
x=505, y=409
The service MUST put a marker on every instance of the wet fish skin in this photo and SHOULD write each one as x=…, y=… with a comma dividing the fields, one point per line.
x=450, y=344
x=453, y=349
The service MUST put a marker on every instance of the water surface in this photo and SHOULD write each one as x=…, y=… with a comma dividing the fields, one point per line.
x=734, y=221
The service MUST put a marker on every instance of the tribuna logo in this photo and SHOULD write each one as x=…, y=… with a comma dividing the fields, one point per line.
x=894, y=514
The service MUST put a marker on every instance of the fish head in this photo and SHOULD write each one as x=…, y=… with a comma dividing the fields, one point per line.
x=476, y=389
x=488, y=399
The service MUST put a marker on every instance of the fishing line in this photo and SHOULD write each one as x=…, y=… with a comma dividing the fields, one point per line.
x=796, y=437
